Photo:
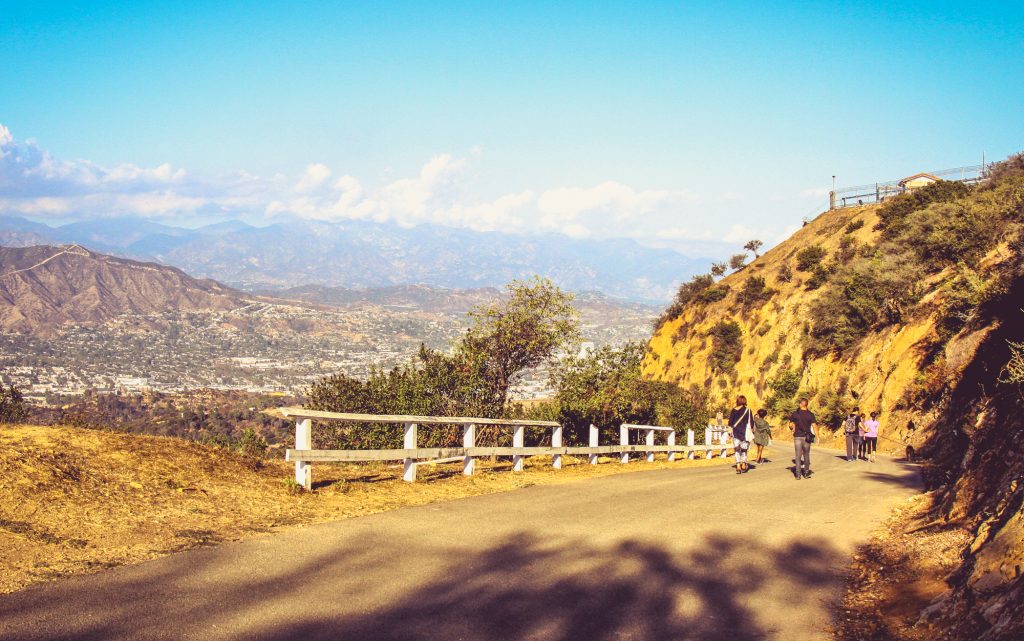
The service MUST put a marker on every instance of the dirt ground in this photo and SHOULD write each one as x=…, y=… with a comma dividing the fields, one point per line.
x=897, y=575
x=74, y=501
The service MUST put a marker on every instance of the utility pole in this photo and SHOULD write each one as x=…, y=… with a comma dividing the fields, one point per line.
x=832, y=195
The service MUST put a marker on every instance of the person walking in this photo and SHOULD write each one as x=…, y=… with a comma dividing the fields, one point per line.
x=871, y=436
x=762, y=433
x=742, y=423
x=851, y=426
x=803, y=424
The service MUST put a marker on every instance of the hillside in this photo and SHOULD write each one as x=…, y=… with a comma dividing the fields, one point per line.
x=43, y=288
x=366, y=254
x=911, y=308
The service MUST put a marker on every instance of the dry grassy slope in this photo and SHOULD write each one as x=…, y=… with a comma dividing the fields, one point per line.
x=75, y=501
x=886, y=364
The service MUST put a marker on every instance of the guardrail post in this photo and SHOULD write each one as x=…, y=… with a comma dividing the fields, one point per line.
x=593, y=443
x=304, y=441
x=691, y=441
x=709, y=440
x=623, y=440
x=672, y=443
x=468, y=440
x=410, y=444
x=518, y=440
x=556, y=441
x=650, y=443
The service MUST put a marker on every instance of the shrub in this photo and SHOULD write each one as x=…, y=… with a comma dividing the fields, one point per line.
x=785, y=273
x=854, y=225
x=12, y=405
x=754, y=290
x=1013, y=371
x=687, y=293
x=738, y=262
x=893, y=212
x=726, y=345
x=810, y=257
x=819, y=275
x=252, y=444
x=714, y=294
x=784, y=387
x=847, y=249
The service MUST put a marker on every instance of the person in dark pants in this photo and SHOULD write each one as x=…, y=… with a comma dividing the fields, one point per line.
x=803, y=425
x=851, y=426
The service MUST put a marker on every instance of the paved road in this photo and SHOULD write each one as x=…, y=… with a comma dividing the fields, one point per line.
x=687, y=553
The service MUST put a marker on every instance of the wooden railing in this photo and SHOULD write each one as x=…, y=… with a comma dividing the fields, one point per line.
x=413, y=456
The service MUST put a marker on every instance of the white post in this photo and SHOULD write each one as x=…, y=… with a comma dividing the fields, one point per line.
x=556, y=441
x=468, y=440
x=623, y=440
x=672, y=443
x=593, y=443
x=304, y=441
x=518, y=440
x=709, y=440
x=690, y=442
x=410, y=444
x=650, y=443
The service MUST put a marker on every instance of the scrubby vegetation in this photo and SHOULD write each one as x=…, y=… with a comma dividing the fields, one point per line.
x=810, y=257
x=12, y=405
x=536, y=322
x=726, y=345
x=938, y=227
x=755, y=290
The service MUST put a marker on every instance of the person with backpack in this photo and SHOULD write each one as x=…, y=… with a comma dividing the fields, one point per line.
x=871, y=436
x=741, y=420
x=803, y=424
x=851, y=426
x=762, y=433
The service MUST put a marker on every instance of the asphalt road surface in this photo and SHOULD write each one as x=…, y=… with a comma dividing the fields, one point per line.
x=686, y=553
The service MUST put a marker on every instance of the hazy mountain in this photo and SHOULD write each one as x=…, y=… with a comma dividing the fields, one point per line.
x=43, y=288
x=363, y=254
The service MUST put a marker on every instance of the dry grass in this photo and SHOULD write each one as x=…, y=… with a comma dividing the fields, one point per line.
x=74, y=501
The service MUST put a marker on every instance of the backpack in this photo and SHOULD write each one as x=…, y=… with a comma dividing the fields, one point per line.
x=850, y=424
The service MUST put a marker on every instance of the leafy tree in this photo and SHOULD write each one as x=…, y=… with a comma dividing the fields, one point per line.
x=508, y=337
x=784, y=387
x=12, y=405
x=753, y=246
x=605, y=388
x=531, y=326
x=738, y=262
x=719, y=269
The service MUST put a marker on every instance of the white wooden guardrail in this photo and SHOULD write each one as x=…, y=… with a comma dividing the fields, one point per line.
x=413, y=456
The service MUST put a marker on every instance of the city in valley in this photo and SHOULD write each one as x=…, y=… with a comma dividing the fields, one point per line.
x=267, y=345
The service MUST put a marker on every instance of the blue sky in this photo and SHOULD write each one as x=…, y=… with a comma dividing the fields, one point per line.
x=679, y=124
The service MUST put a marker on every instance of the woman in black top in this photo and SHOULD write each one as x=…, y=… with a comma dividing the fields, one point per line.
x=742, y=423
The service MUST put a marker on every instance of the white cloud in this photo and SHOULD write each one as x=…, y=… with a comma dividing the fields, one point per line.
x=34, y=183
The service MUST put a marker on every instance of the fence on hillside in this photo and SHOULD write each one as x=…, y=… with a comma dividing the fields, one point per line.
x=878, y=192
x=717, y=439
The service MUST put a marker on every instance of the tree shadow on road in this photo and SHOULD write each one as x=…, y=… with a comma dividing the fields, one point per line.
x=522, y=588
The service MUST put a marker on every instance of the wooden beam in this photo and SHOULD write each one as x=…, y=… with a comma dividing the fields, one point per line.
x=300, y=412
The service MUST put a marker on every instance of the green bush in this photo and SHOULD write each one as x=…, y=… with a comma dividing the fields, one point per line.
x=854, y=225
x=784, y=386
x=252, y=444
x=893, y=212
x=785, y=273
x=714, y=294
x=12, y=405
x=726, y=346
x=754, y=291
x=810, y=257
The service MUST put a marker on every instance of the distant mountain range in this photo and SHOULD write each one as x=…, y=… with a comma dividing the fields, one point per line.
x=363, y=254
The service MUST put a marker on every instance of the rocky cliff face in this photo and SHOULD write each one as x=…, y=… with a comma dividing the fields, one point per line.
x=877, y=375
x=44, y=287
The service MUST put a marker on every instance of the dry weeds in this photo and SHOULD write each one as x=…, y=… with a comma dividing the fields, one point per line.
x=74, y=501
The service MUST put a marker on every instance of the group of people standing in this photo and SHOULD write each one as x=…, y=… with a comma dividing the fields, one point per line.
x=747, y=428
x=861, y=436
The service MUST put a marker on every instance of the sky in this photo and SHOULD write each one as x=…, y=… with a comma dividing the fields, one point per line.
x=683, y=125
